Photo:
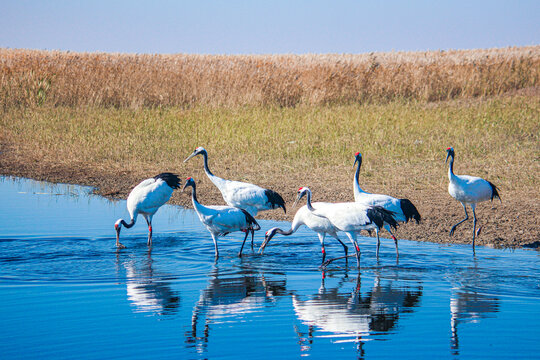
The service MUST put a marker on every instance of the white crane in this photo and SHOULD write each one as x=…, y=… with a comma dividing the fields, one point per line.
x=403, y=209
x=303, y=216
x=468, y=190
x=222, y=220
x=145, y=199
x=351, y=217
x=242, y=195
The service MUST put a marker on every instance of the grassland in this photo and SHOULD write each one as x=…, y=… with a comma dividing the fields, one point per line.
x=29, y=78
x=112, y=142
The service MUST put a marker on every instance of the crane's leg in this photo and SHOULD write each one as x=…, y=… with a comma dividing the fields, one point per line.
x=387, y=227
x=352, y=237
x=214, y=237
x=321, y=239
x=245, y=237
x=473, y=207
x=149, y=222
x=252, y=235
x=345, y=248
x=378, y=242
x=466, y=218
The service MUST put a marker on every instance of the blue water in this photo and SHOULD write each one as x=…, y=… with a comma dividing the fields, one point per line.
x=66, y=292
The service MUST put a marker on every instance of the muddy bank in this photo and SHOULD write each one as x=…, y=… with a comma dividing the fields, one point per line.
x=513, y=223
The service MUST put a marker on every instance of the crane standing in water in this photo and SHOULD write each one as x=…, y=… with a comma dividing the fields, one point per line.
x=145, y=199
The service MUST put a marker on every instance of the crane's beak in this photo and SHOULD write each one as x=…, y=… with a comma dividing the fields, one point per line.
x=265, y=242
x=190, y=156
x=355, y=161
x=296, y=201
x=447, y=156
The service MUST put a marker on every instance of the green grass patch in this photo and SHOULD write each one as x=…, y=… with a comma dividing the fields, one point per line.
x=402, y=141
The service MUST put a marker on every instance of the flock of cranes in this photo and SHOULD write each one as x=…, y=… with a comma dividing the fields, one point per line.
x=244, y=200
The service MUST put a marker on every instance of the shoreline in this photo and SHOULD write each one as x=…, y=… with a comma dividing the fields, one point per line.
x=439, y=211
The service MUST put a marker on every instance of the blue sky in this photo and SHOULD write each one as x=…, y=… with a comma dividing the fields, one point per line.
x=267, y=27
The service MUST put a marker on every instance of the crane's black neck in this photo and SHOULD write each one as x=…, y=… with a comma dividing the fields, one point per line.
x=126, y=225
x=194, y=193
x=308, y=200
x=451, y=165
x=206, y=168
x=286, y=233
x=357, y=173
x=358, y=168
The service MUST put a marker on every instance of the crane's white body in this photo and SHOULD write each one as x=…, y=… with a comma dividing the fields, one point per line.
x=220, y=220
x=387, y=202
x=468, y=189
x=349, y=217
x=147, y=197
x=318, y=224
x=249, y=197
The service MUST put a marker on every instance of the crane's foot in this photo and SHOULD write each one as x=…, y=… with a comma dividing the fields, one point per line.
x=452, y=230
x=120, y=246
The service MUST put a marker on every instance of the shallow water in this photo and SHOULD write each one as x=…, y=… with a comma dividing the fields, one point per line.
x=67, y=293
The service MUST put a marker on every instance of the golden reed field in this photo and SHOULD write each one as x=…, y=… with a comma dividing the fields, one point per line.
x=31, y=77
x=285, y=121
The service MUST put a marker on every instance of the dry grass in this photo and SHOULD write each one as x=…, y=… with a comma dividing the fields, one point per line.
x=110, y=120
x=31, y=78
x=403, y=143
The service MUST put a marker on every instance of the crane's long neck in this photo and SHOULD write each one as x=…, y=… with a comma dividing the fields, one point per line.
x=216, y=180
x=308, y=200
x=200, y=208
x=206, y=168
x=286, y=233
x=356, y=184
x=131, y=223
x=451, y=175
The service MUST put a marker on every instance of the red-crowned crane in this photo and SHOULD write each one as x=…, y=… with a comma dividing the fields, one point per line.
x=303, y=216
x=468, y=190
x=242, y=195
x=403, y=209
x=351, y=217
x=222, y=220
x=145, y=199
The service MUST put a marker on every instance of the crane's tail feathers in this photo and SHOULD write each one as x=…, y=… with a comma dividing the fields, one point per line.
x=251, y=222
x=171, y=179
x=409, y=210
x=494, y=192
x=275, y=199
x=379, y=216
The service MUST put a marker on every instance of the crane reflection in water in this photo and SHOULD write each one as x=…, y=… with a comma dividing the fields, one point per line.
x=147, y=291
x=349, y=315
x=230, y=295
x=468, y=304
